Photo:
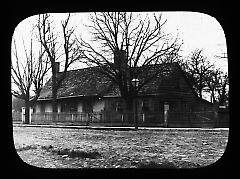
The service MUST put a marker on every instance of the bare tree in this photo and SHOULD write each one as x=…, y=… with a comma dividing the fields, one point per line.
x=222, y=90
x=26, y=73
x=198, y=69
x=130, y=42
x=40, y=69
x=217, y=83
x=49, y=40
x=72, y=50
x=213, y=83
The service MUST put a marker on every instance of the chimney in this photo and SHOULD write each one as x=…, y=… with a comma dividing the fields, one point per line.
x=120, y=58
x=57, y=67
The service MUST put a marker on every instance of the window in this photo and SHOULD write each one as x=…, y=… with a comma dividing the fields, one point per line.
x=168, y=106
x=119, y=107
x=145, y=105
x=111, y=105
x=63, y=107
x=158, y=106
x=184, y=106
x=155, y=106
x=73, y=107
x=42, y=107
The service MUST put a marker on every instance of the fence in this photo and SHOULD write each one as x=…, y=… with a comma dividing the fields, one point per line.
x=174, y=119
x=144, y=119
x=86, y=118
x=192, y=119
x=50, y=117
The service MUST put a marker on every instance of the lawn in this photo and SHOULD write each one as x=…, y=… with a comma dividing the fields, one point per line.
x=88, y=148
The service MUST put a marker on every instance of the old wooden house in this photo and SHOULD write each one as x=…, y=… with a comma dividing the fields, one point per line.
x=86, y=92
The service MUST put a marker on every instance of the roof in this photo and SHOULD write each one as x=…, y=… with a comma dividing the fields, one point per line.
x=81, y=82
x=90, y=82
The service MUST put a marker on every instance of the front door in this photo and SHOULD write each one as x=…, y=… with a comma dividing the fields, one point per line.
x=161, y=112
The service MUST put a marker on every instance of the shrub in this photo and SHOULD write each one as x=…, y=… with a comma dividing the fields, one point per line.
x=83, y=154
x=28, y=147
x=47, y=147
x=72, y=153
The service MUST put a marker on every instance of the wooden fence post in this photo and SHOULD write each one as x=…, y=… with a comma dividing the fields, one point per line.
x=23, y=114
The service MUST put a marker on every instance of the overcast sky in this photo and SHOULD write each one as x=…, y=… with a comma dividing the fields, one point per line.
x=197, y=30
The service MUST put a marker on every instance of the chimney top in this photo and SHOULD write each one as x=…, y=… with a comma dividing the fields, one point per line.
x=120, y=57
x=57, y=66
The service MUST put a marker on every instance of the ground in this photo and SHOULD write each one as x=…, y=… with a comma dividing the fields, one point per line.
x=83, y=148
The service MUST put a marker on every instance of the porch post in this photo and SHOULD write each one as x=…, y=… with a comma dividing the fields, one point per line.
x=165, y=118
x=166, y=108
x=122, y=118
x=30, y=115
x=23, y=114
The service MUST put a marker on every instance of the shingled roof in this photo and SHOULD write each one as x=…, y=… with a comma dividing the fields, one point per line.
x=89, y=82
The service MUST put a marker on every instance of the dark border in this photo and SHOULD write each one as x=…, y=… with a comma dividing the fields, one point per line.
x=20, y=11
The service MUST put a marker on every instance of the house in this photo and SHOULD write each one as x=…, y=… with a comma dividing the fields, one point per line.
x=86, y=92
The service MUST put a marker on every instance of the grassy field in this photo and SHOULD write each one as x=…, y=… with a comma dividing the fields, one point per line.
x=88, y=148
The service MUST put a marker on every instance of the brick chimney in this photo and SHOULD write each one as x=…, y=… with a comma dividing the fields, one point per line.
x=120, y=58
x=57, y=66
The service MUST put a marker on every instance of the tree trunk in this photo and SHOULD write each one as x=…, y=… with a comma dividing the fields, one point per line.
x=135, y=114
x=27, y=112
x=129, y=110
x=200, y=92
x=213, y=97
x=54, y=97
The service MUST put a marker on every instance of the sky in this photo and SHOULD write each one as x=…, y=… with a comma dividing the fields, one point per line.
x=196, y=30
